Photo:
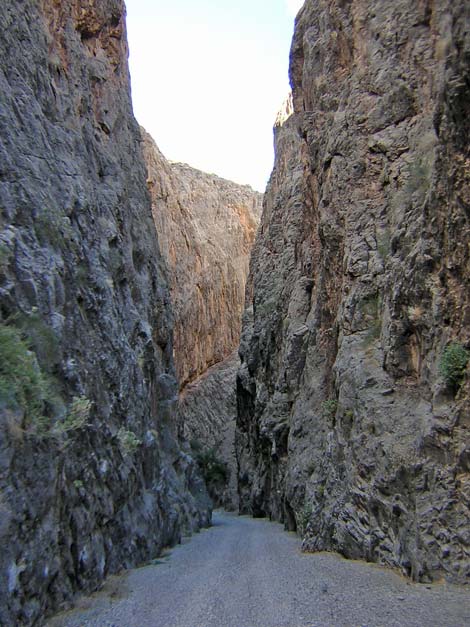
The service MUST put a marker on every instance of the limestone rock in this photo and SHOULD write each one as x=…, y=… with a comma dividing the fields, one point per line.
x=346, y=429
x=206, y=228
x=92, y=475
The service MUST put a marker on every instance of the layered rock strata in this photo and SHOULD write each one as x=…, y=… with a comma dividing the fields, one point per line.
x=92, y=475
x=206, y=228
x=347, y=429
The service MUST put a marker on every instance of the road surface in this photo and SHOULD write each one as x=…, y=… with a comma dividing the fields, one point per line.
x=244, y=572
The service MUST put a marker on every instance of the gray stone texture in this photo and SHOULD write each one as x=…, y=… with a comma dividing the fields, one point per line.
x=208, y=410
x=79, y=254
x=346, y=429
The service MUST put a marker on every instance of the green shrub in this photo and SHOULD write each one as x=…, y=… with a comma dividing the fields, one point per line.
x=77, y=415
x=303, y=518
x=419, y=175
x=52, y=226
x=5, y=256
x=329, y=407
x=128, y=441
x=23, y=385
x=41, y=338
x=214, y=470
x=453, y=363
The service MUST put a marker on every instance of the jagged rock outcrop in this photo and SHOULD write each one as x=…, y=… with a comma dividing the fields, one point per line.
x=206, y=228
x=92, y=476
x=346, y=427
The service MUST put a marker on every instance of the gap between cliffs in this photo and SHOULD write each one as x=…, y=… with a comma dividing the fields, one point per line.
x=206, y=227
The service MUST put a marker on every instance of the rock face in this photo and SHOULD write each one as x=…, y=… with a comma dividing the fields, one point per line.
x=92, y=476
x=346, y=428
x=206, y=229
x=208, y=410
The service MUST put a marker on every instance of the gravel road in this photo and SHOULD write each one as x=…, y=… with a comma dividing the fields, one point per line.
x=250, y=573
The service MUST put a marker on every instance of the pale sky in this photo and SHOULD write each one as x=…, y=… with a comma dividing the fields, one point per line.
x=208, y=77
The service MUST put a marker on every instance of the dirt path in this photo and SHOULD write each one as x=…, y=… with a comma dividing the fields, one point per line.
x=250, y=573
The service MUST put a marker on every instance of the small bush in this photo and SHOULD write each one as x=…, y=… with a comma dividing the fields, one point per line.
x=329, y=407
x=303, y=518
x=5, y=256
x=53, y=227
x=453, y=363
x=41, y=338
x=128, y=441
x=214, y=470
x=23, y=385
x=77, y=415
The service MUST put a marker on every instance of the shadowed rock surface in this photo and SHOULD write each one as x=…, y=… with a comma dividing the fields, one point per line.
x=347, y=430
x=92, y=476
x=208, y=411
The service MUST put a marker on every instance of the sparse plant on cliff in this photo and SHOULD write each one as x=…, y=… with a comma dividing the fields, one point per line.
x=419, y=174
x=128, y=441
x=23, y=385
x=53, y=227
x=453, y=363
x=77, y=415
x=329, y=407
x=214, y=470
x=303, y=518
x=41, y=337
x=5, y=256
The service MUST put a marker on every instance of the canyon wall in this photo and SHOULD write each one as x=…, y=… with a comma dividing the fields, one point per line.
x=92, y=475
x=206, y=228
x=353, y=402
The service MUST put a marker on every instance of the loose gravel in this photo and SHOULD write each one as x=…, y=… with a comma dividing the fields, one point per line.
x=245, y=572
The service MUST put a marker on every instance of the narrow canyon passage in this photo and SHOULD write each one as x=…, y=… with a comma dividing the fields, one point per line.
x=245, y=572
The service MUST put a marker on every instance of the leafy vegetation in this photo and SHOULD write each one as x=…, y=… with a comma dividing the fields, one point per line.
x=77, y=415
x=329, y=407
x=53, y=227
x=215, y=471
x=303, y=518
x=5, y=256
x=128, y=441
x=453, y=363
x=41, y=338
x=23, y=385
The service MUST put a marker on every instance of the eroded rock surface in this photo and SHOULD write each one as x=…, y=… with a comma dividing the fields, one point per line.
x=346, y=428
x=206, y=228
x=97, y=483
x=208, y=410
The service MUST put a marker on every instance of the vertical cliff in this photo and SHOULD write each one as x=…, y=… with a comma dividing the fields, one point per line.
x=206, y=228
x=91, y=474
x=353, y=399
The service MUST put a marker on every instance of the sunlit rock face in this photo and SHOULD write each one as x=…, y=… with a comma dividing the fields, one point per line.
x=347, y=429
x=206, y=228
x=94, y=484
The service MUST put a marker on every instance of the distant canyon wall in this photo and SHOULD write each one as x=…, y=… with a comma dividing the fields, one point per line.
x=206, y=228
x=92, y=475
x=353, y=395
